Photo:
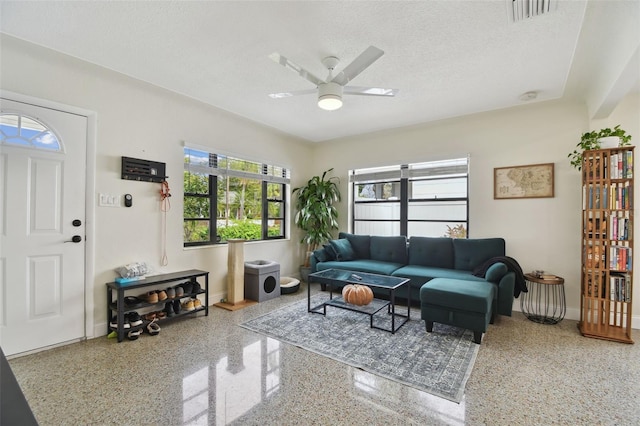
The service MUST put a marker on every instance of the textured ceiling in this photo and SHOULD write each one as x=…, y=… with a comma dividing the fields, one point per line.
x=447, y=58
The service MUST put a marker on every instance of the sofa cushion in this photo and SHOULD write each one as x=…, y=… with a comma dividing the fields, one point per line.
x=343, y=249
x=459, y=295
x=427, y=251
x=362, y=265
x=469, y=253
x=421, y=274
x=360, y=244
x=389, y=249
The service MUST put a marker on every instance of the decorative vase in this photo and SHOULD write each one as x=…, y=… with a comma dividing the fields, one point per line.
x=609, y=142
x=304, y=273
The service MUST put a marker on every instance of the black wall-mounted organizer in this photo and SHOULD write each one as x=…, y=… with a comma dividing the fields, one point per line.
x=143, y=170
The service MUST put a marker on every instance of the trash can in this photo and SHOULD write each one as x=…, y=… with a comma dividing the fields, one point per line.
x=261, y=280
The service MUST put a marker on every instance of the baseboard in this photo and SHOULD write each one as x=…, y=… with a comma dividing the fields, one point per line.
x=574, y=314
x=217, y=297
x=100, y=330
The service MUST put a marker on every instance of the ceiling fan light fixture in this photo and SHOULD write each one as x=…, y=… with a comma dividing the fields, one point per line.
x=330, y=102
x=331, y=89
x=330, y=96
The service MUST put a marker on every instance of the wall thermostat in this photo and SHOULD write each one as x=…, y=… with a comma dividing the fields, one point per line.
x=128, y=200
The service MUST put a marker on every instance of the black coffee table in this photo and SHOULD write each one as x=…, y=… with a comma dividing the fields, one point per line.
x=339, y=277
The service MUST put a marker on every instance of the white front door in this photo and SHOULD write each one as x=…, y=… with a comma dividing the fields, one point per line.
x=42, y=226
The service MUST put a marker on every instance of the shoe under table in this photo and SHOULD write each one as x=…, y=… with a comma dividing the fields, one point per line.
x=460, y=303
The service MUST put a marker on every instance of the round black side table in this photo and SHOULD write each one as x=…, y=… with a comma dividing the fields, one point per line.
x=544, y=302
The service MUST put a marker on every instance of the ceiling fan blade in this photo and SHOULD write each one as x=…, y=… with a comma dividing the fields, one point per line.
x=370, y=91
x=292, y=93
x=358, y=65
x=278, y=58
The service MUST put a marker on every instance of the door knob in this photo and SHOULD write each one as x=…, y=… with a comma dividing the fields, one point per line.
x=74, y=239
x=76, y=222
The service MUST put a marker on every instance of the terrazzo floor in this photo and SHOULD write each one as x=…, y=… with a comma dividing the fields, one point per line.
x=207, y=370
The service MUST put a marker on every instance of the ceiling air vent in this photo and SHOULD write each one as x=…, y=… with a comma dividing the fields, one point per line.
x=519, y=10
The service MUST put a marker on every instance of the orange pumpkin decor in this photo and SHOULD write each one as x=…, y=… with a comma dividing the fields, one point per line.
x=357, y=294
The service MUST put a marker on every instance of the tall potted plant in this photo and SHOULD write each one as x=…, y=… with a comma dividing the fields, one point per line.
x=316, y=215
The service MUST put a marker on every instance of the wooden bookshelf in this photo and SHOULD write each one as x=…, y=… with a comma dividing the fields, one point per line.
x=607, y=244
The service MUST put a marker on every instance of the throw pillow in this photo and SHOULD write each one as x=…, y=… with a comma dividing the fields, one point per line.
x=343, y=249
x=360, y=244
x=321, y=255
x=331, y=253
x=496, y=272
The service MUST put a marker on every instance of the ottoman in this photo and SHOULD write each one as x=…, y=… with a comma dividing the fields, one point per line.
x=261, y=280
x=464, y=304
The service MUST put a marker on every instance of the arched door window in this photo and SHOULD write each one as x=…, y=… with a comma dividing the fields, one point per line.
x=20, y=130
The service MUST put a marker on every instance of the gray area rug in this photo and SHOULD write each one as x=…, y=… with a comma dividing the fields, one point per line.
x=438, y=363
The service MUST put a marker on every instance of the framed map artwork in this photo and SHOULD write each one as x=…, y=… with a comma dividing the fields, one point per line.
x=533, y=181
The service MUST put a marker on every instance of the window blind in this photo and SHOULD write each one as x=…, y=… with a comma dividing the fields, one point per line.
x=202, y=162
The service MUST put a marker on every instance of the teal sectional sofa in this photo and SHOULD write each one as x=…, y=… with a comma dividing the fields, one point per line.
x=421, y=259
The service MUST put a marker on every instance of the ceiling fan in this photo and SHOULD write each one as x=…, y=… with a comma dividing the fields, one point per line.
x=330, y=91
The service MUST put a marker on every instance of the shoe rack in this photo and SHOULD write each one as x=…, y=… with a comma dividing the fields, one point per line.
x=116, y=293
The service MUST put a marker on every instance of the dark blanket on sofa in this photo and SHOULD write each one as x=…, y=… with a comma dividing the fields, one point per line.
x=512, y=265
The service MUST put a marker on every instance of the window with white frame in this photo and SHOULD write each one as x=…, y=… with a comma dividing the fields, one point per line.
x=421, y=199
x=229, y=197
x=28, y=132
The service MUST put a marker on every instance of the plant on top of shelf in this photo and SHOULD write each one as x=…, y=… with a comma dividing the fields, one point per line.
x=316, y=215
x=592, y=140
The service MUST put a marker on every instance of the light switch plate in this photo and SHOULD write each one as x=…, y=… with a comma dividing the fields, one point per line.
x=108, y=200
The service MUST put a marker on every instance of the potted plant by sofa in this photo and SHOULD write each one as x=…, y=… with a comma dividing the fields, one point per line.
x=608, y=138
x=316, y=215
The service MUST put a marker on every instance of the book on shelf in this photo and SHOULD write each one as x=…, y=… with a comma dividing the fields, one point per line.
x=621, y=165
x=620, y=225
x=628, y=195
x=620, y=257
x=620, y=196
x=619, y=171
x=543, y=275
x=620, y=287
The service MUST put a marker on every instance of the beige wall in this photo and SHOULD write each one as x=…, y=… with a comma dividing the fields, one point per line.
x=541, y=233
x=626, y=114
x=140, y=120
x=136, y=119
